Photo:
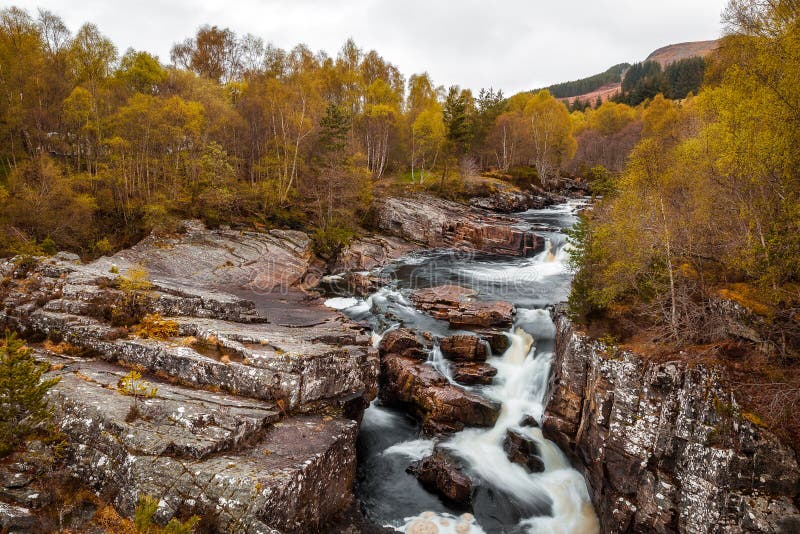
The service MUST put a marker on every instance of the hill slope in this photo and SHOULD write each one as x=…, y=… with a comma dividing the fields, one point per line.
x=602, y=86
x=674, y=52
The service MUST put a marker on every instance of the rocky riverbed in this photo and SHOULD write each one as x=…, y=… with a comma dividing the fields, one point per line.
x=259, y=420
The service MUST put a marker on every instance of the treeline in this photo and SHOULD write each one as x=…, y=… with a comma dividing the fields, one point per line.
x=645, y=80
x=587, y=85
x=708, y=204
x=97, y=149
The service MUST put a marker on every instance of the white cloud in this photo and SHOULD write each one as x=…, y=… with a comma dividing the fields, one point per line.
x=508, y=44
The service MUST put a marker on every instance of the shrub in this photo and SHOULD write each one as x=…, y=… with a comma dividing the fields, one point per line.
x=132, y=384
x=329, y=241
x=146, y=511
x=155, y=327
x=23, y=402
x=48, y=246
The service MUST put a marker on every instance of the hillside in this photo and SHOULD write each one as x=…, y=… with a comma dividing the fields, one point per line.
x=607, y=88
x=674, y=52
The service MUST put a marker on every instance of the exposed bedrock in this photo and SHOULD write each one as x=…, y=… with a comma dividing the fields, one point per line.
x=259, y=387
x=664, y=446
x=458, y=306
x=435, y=222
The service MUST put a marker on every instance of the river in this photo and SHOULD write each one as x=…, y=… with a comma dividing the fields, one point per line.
x=507, y=498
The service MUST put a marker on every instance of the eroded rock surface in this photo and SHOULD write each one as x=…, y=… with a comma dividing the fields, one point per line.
x=436, y=222
x=457, y=305
x=438, y=404
x=253, y=425
x=464, y=347
x=664, y=446
x=470, y=373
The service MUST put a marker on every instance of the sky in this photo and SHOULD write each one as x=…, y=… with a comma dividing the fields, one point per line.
x=513, y=45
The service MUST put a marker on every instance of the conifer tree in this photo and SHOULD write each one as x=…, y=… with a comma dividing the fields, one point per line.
x=23, y=402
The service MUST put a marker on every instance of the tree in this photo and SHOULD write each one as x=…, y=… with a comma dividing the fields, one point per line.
x=214, y=53
x=23, y=393
x=429, y=134
x=458, y=115
x=141, y=72
x=551, y=134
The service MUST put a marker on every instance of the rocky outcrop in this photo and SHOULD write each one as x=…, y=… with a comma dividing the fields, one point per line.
x=523, y=450
x=439, y=474
x=369, y=252
x=512, y=200
x=238, y=463
x=436, y=222
x=438, y=404
x=457, y=305
x=259, y=391
x=664, y=446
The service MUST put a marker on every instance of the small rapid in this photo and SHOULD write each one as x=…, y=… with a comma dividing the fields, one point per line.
x=507, y=498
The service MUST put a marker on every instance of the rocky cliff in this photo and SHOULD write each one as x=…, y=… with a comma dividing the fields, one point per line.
x=665, y=447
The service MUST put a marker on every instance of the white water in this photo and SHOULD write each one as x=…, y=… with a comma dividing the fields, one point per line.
x=520, y=386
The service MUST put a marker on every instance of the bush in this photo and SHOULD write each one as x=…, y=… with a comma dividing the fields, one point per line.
x=146, y=511
x=23, y=402
x=48, y=246
x=329, y=241
x=156, y=327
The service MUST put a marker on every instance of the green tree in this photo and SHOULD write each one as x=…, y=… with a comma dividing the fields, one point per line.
x=23, y=393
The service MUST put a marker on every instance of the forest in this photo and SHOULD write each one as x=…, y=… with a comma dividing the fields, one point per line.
x=98, y=148
x=699, y=191
x=695, y=243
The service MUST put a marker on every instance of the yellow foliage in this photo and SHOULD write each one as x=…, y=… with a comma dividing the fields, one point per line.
x=156, y=327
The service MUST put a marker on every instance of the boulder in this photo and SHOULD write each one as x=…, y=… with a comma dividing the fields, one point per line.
x=439, y=474
x=403, y=342
x=457, y=306
x=438, y=404
x=523, y=450
x=529, y=421
x=463, y=348
x=469, y=373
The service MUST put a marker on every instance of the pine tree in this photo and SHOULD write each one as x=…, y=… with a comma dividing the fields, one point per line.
x=23, y=402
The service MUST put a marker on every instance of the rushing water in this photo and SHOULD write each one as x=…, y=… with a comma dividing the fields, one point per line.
x=508, y=498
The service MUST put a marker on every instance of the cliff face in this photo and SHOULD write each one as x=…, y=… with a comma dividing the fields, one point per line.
x=664, y=447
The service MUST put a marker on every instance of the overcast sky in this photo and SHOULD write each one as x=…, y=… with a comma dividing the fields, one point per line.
x=513, y=45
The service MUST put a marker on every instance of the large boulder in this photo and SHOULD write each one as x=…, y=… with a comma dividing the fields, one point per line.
x=438, y=404
x=440, y=474
x=457, y=305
